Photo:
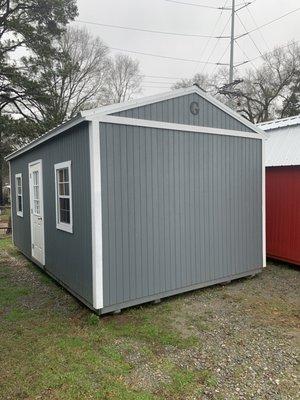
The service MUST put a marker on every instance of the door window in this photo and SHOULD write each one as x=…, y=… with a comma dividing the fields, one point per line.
x=36, y=193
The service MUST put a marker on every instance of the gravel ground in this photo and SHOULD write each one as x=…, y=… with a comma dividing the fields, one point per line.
x=249, y=335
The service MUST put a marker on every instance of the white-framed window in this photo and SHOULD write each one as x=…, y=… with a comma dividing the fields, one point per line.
x=19, y=195
x=63, y=196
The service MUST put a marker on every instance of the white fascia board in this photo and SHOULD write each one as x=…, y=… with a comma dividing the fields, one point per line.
x=46, y=136
x=97, y=112
x=177, y=127
x=96, y=212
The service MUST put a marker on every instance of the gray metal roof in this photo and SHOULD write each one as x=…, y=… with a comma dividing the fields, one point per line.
x=283, y=141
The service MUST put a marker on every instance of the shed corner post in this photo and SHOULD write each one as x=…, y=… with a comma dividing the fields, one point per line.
x=264, y=250
x=96, y=213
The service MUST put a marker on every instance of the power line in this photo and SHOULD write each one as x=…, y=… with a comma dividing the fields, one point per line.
x=165, y=57
x=265, y=54
x=197, y=5
x=162, y=77
x=149, y=30
x=255, y=23
x=160, y=83
x=214, y=48
x=224, y=8
x=250, y=36
x=155, y=87
x=220, y=59
x=246, y=56
x=268, y=23
x=212, y=33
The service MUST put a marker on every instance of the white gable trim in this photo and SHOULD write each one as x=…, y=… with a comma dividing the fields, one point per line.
x=177, y=127
x=167, y=96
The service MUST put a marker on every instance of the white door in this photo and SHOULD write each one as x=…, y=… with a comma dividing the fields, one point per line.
x=37, y=211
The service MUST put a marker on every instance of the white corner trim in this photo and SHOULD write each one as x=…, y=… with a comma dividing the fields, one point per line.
x=264, y=249
x=96, y=214
x=177, y=127
x=19, y=213
x=62, y=225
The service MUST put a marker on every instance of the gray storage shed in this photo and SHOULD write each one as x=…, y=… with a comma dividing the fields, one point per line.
x=134, y=202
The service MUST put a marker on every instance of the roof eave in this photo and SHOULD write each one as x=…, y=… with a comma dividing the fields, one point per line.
x=53, y=132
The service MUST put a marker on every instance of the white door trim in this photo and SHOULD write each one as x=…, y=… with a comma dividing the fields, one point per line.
x=41, y=206
x=96, y=214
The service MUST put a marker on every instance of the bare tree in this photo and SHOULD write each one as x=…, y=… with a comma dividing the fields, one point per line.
x=73, y=79
x=204, y=81
x=123, y=79
x=269, y=91
x=260, y=94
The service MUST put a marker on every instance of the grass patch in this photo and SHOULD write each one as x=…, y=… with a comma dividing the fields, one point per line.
x=150, y=326
x=17, y=314
x=9, y=294
x=186, y=382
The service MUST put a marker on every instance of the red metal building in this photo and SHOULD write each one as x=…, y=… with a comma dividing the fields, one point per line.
x=283, y=189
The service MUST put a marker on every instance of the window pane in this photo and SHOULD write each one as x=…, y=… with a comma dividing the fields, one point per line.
x=67, y=192
x=35, y=178
x=66, y=175
x=64, y=204
x=20, y=203
x=61, y=189
x=36, y=192
x=36, y=205
x=65, y=216
x=60, y=175
x=64, y=210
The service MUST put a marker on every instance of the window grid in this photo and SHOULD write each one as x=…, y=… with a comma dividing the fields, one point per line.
x=19, y=195
x=36, y=193
x=63, y=196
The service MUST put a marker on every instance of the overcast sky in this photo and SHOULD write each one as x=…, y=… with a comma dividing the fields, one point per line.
x=163, y=15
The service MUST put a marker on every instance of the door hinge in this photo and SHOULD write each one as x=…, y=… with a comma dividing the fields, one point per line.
x=32, y=245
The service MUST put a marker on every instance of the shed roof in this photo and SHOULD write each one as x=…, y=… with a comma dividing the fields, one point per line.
x=99, y=112
x=283, y=141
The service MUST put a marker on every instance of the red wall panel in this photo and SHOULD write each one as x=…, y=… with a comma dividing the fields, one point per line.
x=283, y=213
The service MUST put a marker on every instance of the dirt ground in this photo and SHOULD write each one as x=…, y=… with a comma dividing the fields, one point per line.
x=239, y=341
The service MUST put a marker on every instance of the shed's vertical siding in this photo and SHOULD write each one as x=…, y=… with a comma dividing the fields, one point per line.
x=67, y=256
x=179, y=209
x=283, y=213
x=177, y=110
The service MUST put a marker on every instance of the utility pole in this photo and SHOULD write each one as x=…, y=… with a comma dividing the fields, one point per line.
x=232, y=43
